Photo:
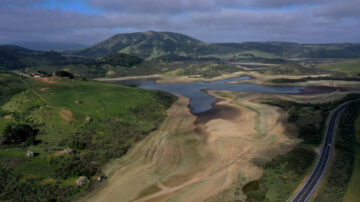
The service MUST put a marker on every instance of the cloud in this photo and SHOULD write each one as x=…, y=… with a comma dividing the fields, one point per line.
x=340, y=9
x=174, y=6
x=208, y=20
x=22, y=3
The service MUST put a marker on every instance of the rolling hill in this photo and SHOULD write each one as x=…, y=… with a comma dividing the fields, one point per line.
x=98, y=121
x=15, y=57
x=159, y=45
x=145, y=45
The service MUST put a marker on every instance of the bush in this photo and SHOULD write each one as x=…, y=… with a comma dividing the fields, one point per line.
x=81, y=139
x=19, y=133
x=64, y=74
x=11, y=189
x=79, y=165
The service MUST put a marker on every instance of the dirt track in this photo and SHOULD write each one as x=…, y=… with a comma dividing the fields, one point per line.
x=185, y=161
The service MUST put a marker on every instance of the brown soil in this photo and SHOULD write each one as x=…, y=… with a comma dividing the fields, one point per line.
x=8, y=117
x=43, y=89
x=48, y=80
x=66, y=114
x=194, y=159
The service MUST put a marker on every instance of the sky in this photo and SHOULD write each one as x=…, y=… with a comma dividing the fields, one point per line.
x=91, y=21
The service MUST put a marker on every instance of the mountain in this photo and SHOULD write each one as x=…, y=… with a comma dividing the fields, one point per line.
x=47, y=46
x=15, y=57
x=122, y=59
x=284, y=50
x=168, y=45
x=147, y=45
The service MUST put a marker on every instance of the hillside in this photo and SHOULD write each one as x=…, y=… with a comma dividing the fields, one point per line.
x=291, y=69
x=98, y=121
x=350, y=66
x=175, y=46
x=282, y=50
x=145, y=45
x=15, y=57
x=122, y=60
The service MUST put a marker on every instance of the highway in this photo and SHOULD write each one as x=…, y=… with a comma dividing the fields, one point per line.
x=310, y=184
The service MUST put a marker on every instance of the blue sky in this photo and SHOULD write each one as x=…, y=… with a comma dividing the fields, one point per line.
x=90, y=21
x=69, y=5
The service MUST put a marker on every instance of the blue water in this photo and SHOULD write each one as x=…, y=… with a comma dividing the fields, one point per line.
x=201, y=101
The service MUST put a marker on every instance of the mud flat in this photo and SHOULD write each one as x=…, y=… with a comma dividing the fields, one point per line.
x=192, y=158
x=320, y=90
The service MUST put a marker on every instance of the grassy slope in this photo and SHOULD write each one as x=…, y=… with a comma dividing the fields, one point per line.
x=14, y=57
x=352, y=193
x=145, y=45
x=201, y=69
x=354, y=185
x=344, y=165
x=120, y=116
x=9, y=85
x=290, y=69
x=151, y=45
x=284, y=173
x=351, y=66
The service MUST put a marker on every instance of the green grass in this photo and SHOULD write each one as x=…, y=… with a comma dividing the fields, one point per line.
x=259, y=130
x=352, y=193
x=120, y=116
x=37, y=167
x=290, y=69
x=43, y=103
x=202, y=69
x=351, y=66
x=10, y=84
x=343, y=167
x=281, y=176
x=357, y=130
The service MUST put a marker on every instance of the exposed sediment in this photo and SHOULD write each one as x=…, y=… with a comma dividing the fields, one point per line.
x=192, y=158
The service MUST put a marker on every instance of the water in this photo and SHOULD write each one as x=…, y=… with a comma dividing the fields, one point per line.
x=201, y=101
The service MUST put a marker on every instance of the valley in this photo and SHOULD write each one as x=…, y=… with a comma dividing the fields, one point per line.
x=161, y=116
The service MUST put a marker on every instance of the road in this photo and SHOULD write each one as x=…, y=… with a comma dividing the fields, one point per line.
x=309, y=186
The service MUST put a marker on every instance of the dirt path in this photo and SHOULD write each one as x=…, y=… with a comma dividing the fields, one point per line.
x=184, y=161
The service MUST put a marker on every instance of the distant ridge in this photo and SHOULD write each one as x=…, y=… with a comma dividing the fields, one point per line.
x=159, y=45
x=148, y=44
x=47, y=46
x=16, y=57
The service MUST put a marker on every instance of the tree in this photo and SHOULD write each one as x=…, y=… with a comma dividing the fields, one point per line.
x=62, y=73
x=19, y=133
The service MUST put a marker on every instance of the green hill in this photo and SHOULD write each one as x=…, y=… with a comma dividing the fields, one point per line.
x=98, y=121
x=168, y=45
x=145, y=45
x=350, y=66
x=122, y=59
x=291, y=69
x=15, y=57
x=283, y=50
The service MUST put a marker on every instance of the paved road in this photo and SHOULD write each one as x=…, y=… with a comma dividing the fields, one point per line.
x=309, y=186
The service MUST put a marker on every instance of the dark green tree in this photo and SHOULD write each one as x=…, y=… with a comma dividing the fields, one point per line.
x=62, y=73
x=19, y=133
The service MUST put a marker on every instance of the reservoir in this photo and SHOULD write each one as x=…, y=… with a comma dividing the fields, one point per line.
x=200, y=101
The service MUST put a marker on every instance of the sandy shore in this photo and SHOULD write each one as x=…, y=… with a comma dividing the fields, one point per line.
x=174, y=79
x=257, y=78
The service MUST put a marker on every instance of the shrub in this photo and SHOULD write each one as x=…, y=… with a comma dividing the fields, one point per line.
x=81, y=139
x=64, y=74
x=19, y=133
x=79, y=165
